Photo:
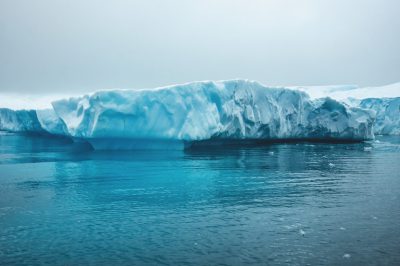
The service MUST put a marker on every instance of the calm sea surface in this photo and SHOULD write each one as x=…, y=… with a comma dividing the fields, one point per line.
x=278, y=204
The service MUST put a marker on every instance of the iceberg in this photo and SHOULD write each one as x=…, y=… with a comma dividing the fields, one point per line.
x=384, y=101
x=19, y=121
x=179, y=116
x=198, y=111
x=32, y=121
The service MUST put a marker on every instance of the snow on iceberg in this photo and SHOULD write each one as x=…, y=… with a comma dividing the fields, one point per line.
x=345, y=92
x=236, y=109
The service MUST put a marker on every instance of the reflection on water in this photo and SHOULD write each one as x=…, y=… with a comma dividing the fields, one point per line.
x=279, y=204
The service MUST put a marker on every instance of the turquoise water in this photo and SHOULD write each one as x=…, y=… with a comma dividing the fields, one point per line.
x=277, y=204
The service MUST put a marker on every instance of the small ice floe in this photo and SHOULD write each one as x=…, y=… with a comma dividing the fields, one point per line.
x=302, y=232
x=374, y=217
x=342, y=228
x=331, y=165
x=367, y=148
x=346, y=256
x=377, y=141
x=271, y=153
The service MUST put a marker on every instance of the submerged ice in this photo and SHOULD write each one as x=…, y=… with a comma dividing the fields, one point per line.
x=224, y=110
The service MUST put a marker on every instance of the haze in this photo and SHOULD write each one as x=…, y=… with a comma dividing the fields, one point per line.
x=65, y=47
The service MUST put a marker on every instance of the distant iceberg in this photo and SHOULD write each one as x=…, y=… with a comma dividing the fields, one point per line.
x=344, y=92
x=174, y=116
x=384, y=101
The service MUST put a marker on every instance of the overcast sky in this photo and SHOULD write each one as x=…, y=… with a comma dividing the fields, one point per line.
x=81, y=46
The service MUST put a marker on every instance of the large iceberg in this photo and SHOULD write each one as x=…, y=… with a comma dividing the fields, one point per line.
x=234, y=110
x=179, y=115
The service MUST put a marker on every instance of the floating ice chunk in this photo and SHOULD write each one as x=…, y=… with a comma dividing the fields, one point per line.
x=347, y=256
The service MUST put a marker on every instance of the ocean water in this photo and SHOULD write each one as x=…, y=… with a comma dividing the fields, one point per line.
x=277, y=204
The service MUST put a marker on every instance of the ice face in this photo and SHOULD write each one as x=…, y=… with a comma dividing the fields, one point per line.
x=50, y=122
x=387, y=114
x=31, y=121
x=236, y=109
x=19, y=121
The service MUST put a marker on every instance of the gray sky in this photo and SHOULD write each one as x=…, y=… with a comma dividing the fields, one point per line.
x=80, y=46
